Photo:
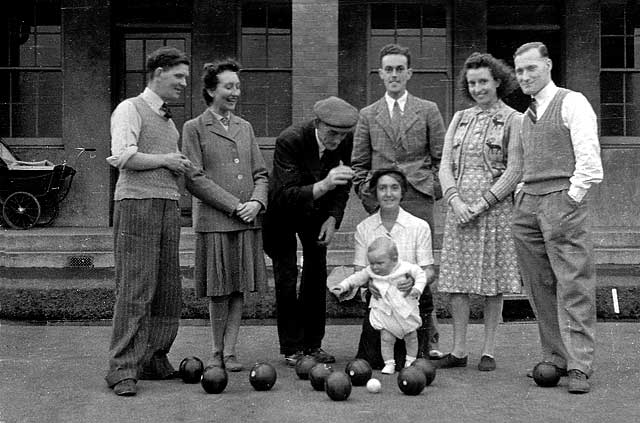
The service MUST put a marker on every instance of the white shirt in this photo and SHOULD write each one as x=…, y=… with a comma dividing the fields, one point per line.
x=125, y=127
x=402, y=101
x=577, y=116
x=411, y=235
x=321, y=146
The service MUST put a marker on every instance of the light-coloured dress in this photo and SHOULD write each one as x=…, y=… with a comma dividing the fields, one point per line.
x=479, y=257
x=393, y=311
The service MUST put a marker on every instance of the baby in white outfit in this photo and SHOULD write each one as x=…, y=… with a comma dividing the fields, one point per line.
x=395, y=314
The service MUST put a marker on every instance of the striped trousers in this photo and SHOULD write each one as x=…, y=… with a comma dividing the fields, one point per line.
x=148, y=289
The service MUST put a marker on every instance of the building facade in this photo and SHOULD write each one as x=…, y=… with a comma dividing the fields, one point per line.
x=66, y=64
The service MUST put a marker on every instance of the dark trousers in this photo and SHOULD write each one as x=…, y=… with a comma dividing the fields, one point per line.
x=148, y=288
x=301, y=313
x=555, y=256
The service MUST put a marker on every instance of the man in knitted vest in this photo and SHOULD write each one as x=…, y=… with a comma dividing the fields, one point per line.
x=561, y=162
x=146, y=226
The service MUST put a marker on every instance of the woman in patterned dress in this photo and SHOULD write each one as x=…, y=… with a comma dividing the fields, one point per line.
x=481, y=166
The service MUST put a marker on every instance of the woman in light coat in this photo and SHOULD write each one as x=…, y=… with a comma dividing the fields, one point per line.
x=229, y=189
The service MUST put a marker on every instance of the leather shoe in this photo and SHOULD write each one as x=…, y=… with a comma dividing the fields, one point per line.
x=125, y=388
x=232, y=364
x=216, y=360
x=450, y=360
x=487, y=364
x=562, y=372
x=578, y=382
x=145, y=375
x=321, y=355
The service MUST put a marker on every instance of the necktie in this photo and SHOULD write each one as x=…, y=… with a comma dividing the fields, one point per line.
x=165, y=110
x=395, y=118
x=224, y=120
x=532, y=110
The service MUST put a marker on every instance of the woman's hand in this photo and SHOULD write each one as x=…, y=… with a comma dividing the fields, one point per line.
x=375, y=292
x=414, y=294
x=248, y=211
x=406, y=285
x=463, y=212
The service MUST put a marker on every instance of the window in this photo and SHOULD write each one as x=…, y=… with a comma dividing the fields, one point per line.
x=30, y=70
x=423, y=29
x=620, y=69
x=265, y=54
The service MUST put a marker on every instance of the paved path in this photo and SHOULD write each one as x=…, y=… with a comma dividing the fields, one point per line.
x=54, y=373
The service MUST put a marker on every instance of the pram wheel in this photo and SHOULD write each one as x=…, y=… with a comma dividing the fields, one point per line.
x=21, y=210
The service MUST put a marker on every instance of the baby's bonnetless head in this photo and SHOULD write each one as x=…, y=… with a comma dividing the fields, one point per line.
x=383, y=256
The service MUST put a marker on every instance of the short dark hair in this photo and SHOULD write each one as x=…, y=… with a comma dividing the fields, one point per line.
x=542, y=49
x=395, y=173
x=396, y=49
x=210, y=72
x=165, y=58
x=500, y=71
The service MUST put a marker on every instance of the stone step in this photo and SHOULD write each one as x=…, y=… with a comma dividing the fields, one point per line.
x=93, y=247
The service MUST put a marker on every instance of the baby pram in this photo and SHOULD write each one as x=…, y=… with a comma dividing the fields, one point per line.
x=30, y=192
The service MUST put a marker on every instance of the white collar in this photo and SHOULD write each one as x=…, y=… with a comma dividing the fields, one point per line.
x=545, y=95
x=402, y=101
x=153, y=100
x=402, y=219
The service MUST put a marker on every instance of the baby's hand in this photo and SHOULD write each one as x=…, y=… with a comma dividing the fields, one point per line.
x=415, y=294
x=338, y=291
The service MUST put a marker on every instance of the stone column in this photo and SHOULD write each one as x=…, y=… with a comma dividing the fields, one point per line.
x=315, y=54
x=86, y=108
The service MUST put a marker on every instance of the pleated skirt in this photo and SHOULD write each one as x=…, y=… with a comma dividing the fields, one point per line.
x=228, y=262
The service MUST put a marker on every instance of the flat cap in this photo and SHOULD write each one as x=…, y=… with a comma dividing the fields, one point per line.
x=336, y=113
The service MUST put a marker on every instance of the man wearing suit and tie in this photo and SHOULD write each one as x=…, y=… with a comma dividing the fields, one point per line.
x=308, y=191
x=403, y=131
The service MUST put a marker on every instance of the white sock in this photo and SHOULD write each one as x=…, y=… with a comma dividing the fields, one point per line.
x=389, y=367
x=409, y=360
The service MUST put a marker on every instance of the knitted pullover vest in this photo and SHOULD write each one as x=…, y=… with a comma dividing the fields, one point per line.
x=158, y=135
x=549, y=160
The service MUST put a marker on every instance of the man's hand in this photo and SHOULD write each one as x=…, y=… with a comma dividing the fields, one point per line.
x=248, y=211
x=339, y=175
x=177, y=163
x=327, y=230
x=338, y=291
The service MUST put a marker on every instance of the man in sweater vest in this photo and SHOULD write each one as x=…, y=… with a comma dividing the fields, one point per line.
x=146, y=226
x=561, y=162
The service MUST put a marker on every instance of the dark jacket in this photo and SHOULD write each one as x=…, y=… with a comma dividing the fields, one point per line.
x=296, y=167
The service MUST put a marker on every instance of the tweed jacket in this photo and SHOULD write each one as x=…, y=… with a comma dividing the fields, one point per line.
x=296, y=167
x=229, y=169
x=416, y=150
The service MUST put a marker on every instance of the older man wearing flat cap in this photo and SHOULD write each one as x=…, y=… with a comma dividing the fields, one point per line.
x=308, y=191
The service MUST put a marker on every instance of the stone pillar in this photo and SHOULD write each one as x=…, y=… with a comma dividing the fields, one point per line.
x=582, y=49
x=86, y=107
x=469, y=35
x=315, y=54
